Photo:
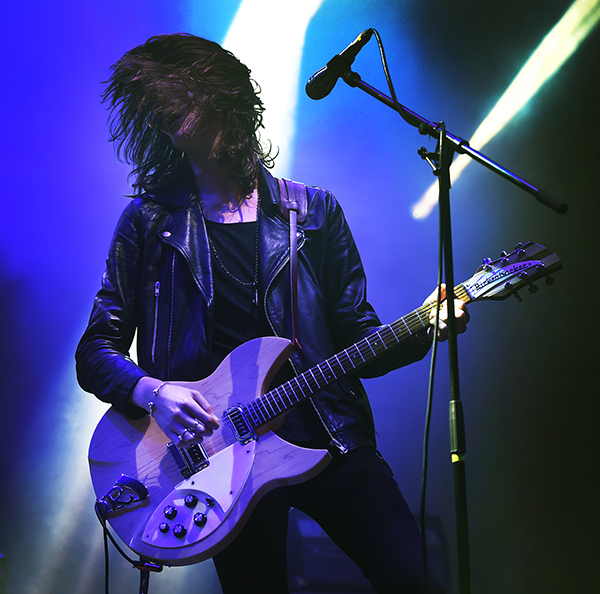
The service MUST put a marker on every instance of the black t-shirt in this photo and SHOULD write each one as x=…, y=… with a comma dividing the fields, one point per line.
x=237, y=319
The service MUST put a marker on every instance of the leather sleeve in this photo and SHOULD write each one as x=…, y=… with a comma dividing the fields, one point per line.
x=103, y=364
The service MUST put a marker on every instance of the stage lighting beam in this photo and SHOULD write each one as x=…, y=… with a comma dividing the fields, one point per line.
x=558, y=45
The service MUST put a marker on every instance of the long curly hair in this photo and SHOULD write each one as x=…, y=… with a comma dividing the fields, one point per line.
x=156, y=83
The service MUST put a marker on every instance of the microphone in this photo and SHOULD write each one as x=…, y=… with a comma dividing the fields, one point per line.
x=321, y=83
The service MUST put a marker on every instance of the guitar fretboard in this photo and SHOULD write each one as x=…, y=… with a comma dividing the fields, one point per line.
x=267, y=407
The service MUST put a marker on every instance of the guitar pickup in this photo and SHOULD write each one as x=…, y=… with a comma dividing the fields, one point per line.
x=189, y=460
x=241, y=427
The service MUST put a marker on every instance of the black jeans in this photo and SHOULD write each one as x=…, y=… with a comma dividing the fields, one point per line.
x=358, y=504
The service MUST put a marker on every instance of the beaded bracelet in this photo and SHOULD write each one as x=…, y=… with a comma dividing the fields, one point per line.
x=151, y=405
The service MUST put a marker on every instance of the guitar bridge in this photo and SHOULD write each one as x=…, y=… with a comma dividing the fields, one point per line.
x=126, y=492
x=189, y=460
x=243, y=430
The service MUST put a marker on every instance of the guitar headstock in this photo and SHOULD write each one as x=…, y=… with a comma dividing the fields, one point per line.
x=497, y=279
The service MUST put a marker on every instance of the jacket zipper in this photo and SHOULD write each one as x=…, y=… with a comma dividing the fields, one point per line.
x=168, y=375
x=155, y=332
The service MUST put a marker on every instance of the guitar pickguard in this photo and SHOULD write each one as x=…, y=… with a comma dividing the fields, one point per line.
x=200, y=504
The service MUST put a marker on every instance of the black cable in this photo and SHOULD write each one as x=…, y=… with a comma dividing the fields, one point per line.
x=106, y=571
x=386, y=71
x=427, y=429
x=144, y=564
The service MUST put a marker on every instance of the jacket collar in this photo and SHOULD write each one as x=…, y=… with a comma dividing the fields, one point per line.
x=186, y=233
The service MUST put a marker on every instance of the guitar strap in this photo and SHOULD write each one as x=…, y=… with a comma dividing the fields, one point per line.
x=293, y=206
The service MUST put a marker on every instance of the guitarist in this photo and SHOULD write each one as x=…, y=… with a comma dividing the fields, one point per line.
x=199, y=264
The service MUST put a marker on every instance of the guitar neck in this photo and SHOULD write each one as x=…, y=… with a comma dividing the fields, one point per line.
x=278, y=401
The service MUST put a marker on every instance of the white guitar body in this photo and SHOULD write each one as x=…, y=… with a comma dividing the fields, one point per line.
x=225, y=492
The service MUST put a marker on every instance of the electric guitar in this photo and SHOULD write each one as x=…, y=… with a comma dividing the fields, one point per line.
x=181, y=505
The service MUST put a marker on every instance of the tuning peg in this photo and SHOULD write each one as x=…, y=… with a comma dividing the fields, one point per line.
x=503, y=255
x=518, y=246
x=549, y=280
x=508, y=286
x=533, y=288
x=486, y=264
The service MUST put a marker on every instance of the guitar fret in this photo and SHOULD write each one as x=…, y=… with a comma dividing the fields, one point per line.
x=407, y=328
x=348, y=358
x=299, y=388
x=260, y=405
x=253, y=415
x=357, y=351
x=331, y=368
x=327, y=378
x=281, y=407
x=306, y=389
x=274, y=402
x=290, y=402
x=254, y=409
x=388, y=336
x=337, y=360
x=318, y=368
x=369, y=345
x=391, y=327
x=305, y=377
x=376, y=343
x=277, y=403
x=314, y=378
x=267, y=404
x=426, y=323
x=413, y=323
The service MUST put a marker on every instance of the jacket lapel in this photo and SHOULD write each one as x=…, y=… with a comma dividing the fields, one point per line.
x=187, y=234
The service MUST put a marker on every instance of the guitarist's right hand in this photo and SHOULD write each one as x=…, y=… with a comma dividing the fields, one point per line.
x=184, y=415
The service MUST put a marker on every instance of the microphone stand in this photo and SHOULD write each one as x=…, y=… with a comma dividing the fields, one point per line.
x=440, y=160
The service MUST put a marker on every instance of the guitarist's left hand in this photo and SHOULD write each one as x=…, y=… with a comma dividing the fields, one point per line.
x=461, y=313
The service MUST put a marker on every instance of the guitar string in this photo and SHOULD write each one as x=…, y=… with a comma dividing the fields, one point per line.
x=274, y=399
x=343, y=362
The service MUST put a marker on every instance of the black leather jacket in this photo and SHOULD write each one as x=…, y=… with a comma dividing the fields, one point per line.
x=158, y=281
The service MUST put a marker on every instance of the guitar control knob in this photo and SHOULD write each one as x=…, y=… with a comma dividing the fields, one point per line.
x=170, y=512
x=210, y=502
x=199, y=519
x=179, y=531
x=190, y=500
x=163, y=527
